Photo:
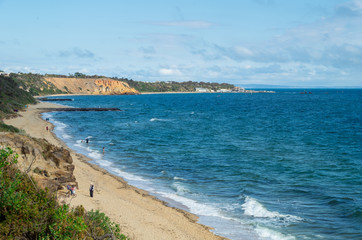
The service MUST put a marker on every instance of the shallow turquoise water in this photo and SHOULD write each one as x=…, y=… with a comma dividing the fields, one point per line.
x=261, y=166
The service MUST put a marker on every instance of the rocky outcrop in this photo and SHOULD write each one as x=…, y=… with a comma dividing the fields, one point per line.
x=98, y=86
x=49, y=165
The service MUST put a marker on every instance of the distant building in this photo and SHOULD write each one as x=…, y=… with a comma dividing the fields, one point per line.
x=202, y=90
x=4, y=73
x=238, y=89
x=223, y=90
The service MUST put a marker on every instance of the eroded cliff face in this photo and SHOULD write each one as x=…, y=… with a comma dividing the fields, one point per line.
x=99, y=86
x=109, y=86
x=49, y=165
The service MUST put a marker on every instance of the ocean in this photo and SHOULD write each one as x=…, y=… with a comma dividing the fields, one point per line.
x=252, y=166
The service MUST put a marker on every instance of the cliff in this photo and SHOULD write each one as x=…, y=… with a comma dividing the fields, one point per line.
x=49, y=165
x=98, y=86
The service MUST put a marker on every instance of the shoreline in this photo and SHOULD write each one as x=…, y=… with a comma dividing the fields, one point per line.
x=141, y=93
x=139, y=214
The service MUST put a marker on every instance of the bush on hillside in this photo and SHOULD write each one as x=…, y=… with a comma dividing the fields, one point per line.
x=27, y=212
x=11, y=96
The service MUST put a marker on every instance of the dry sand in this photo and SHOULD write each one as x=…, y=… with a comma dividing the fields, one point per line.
x=139, y=215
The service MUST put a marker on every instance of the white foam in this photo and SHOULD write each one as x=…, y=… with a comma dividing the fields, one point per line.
x=66, y=136
x=104, y=163
x=127, y=176
x=267, y=233
x=253, y=208
x=46, y=115
x=60, y=126
x=159, y=120
x=194, y=206
x=179, y=178
x=179, y=187
x=94, y=154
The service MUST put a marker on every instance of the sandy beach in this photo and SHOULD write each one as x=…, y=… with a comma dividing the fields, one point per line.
x=140, y=215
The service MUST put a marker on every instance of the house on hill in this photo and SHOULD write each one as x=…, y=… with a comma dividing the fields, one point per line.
x=202, y=90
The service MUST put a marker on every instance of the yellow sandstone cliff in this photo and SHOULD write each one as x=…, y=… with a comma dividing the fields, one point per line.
x=97, y=86
x=49, y=165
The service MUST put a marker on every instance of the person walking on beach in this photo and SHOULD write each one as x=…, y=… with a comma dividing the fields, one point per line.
x=47, y=128
x=91, y=190
x=69, y=188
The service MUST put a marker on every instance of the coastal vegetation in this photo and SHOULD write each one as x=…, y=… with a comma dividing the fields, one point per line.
x=12, y=99
x=37, y=84
x=29, y=212
x=172, y=86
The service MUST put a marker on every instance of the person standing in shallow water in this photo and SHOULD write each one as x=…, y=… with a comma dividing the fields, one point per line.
x=91, y=190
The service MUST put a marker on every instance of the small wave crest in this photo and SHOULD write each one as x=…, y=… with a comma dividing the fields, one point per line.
x=267, y=233
x=85, y=149
x=194, y=206
x=179, y=178
x=159, y=120
x=253, y=208
x=95, y=155
x=66, y=136
x=60, y=126
x=179, y=187
x=127, y=176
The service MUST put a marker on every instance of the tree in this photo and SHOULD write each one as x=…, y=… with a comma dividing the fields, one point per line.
x=79, y=75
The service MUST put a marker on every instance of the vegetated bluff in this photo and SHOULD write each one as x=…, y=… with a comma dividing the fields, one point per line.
x=101, y=86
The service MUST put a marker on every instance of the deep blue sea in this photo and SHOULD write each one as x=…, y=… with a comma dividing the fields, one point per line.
x=252, y=166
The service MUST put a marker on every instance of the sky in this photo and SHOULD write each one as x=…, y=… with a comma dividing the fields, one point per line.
x=275, y=42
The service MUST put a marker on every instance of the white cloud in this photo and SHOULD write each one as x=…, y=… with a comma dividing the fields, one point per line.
x=169, y=71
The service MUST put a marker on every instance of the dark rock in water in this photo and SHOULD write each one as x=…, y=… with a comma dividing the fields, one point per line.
x=78, y=109
x=55, y=99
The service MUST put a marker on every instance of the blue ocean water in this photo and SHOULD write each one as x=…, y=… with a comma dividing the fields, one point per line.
x=252, y=166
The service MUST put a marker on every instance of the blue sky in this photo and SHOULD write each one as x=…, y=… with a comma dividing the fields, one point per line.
x=278, y=42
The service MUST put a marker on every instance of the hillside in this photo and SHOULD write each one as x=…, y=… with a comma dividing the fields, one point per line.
x=97, y=86
x=172, y=86
x=78, y=83
x=33, y=197
x=34, y=176
x=12, y=98
x=35, y=84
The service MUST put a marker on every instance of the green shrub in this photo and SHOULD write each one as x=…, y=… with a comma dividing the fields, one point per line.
x=66, y=225
x=8, y=128
x=100, y=225
x=32, y=213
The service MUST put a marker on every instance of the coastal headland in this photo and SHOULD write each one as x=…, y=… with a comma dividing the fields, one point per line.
x=140, y=215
